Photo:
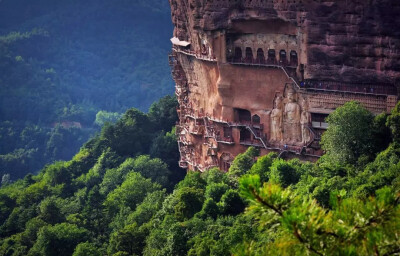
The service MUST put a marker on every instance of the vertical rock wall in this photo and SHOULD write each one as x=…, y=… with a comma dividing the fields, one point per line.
x=267, y=72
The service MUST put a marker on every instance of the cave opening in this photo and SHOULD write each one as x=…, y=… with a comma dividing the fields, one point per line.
x=271, y=56
x=282, y=57
x=245, y=135
x=242, y=115
x=260, y=56
x=293, y=59
x=249, y=55
x=238, y=54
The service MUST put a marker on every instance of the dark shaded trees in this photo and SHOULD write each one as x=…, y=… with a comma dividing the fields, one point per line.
x=163, y=113
x=55, y=72
x=60, y=239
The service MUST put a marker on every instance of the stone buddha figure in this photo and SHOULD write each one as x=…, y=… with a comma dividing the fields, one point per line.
x=292, y=115
x=305, y=122
x=276, y=121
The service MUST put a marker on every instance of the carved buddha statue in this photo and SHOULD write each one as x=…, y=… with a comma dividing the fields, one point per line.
x=276, y=121
x=292, y=118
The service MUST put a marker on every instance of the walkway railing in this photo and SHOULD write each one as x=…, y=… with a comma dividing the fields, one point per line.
x=255, y=143
x=212, y=133
x=290, y=70
x=197, y=55
x=313, y=135
x=256, y=136
x=262, y=62
x=364, y=88
x=225, y=140
x=284, y=66
x=248, y=125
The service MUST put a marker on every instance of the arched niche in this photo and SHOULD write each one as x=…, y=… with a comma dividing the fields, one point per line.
x=249, y=55
x=293, y=58
x=271, y=56
x=256, y=119
x=245, y=135
x=260, y=56
x=282, y=57
x=238, y=54
x=242, y=115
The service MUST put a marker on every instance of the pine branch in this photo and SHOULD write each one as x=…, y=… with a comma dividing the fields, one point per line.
x=303, y=240
x=260, y=200
x=395, y=251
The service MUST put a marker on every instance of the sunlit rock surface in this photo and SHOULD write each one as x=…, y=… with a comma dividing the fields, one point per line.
x=232, y=60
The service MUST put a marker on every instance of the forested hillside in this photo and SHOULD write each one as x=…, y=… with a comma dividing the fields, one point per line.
x=123, y=194
x=70, y=68
x=61, y=62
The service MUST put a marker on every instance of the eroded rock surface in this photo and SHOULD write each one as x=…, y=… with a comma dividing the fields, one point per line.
x=267, y=72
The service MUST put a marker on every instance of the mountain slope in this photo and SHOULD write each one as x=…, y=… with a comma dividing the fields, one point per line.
x=62, y=62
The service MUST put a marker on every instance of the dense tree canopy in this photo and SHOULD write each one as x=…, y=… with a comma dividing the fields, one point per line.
x=115, y=199
x=352, y=227
x=349, y=133
x=69, y=66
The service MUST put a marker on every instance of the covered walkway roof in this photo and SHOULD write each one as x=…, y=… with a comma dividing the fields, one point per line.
x=176, y=41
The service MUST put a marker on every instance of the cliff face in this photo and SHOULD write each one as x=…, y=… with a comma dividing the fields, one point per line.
x=267, y=72
x=358, y=41
x=353, y=39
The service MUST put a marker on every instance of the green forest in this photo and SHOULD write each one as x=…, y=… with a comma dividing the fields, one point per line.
x=89, y=154
x=123, y=194
x=69, y=66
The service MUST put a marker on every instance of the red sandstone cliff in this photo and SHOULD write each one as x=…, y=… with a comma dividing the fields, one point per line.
x=266, y=73
x=344, y=39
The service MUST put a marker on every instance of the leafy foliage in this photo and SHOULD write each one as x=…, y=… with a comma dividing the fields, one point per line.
x=60, y=239
x=393, y=122
x=349, y=133
x=243, y=163
x=113, y=198
x=351, y=227
x=69, y=66
x=103, y=117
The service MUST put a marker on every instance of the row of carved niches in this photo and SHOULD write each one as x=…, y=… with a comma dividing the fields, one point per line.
x=253, y=3
x=290, y=119
x=265, y=42
x=333, y=100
